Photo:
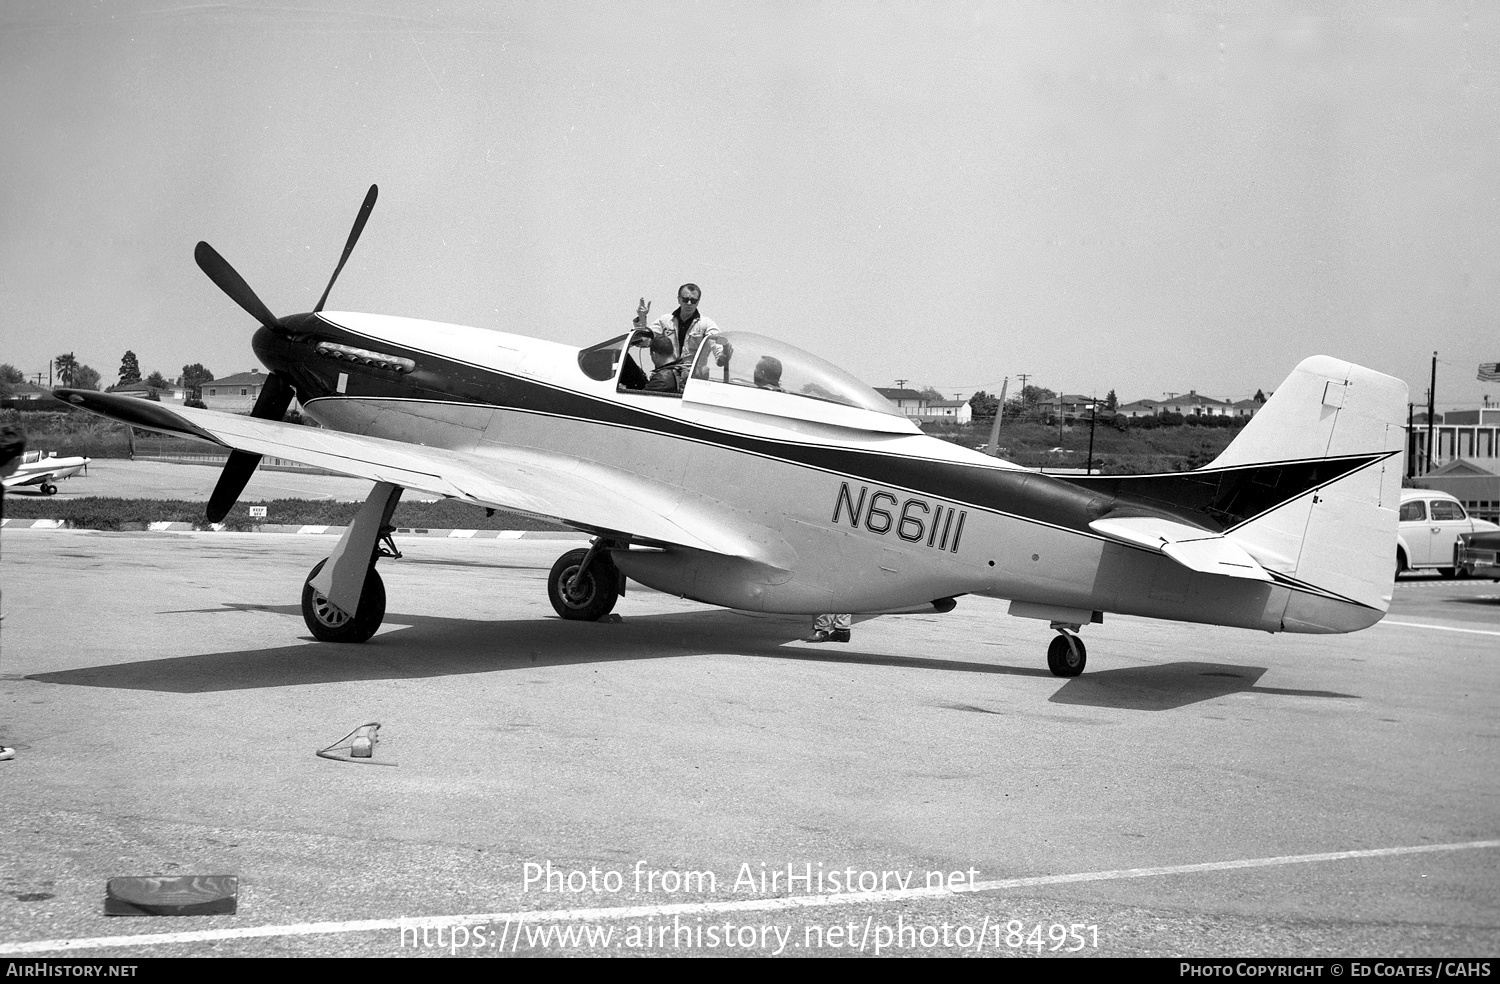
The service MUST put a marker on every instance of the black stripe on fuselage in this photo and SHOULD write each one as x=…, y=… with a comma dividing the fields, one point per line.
x=1297, y=584
x=1224, y=498
x=1213, y=500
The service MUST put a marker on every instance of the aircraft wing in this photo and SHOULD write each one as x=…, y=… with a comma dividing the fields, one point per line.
x=1194, y=548
x=581, y=494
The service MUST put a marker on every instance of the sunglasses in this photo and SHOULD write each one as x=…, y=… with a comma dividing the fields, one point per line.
x=687, y=300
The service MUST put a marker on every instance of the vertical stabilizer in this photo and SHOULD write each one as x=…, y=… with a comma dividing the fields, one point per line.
x=1336, y=542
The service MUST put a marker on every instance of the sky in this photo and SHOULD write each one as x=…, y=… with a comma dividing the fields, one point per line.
x=1145, y=197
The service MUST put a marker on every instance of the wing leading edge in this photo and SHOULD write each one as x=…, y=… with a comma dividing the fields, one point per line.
x=584, y=495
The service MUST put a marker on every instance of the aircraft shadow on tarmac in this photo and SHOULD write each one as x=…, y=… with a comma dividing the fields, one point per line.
x=427, y=646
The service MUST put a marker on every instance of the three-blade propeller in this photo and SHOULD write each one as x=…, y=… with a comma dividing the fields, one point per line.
x=277, y=393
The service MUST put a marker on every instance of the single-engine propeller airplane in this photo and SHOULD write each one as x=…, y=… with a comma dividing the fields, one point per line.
x=45, y=470
x=817, y=496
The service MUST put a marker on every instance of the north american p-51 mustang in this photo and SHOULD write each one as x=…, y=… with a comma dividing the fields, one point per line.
x=815, y=496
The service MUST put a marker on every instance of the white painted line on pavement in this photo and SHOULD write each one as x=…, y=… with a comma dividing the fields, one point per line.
x=706, y=908
x=1440, y=628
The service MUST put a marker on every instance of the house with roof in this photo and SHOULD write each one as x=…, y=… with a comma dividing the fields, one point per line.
x=926, y=410
x=1190, y=404
x=29, y=396
x=1138, y=408
x=173, y=392
x=946, y=412
x=237, y=393
x=908, y=401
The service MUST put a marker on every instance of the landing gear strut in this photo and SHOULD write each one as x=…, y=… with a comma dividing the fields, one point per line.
x=1066, y=655
x=346, y=602
x=585, y=584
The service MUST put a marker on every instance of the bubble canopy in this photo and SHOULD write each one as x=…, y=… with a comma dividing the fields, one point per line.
x=742, y=358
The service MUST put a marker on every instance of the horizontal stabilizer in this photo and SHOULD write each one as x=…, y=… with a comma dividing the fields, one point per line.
x=1194, y=548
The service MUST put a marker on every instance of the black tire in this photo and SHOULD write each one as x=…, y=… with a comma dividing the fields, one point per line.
x=329, y=624
x=1400, y=561
x=594, y=597
x=1447, y=573
x=1066, y=656
x=49, y=489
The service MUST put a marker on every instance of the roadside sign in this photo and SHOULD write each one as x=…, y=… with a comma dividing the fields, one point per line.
x=257, y=512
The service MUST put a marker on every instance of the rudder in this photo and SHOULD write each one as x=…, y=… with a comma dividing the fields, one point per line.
x=1335, y=543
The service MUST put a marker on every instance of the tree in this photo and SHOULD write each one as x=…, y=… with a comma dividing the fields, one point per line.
x=9, y=377
x=1260, y=397
x=130, y=369
x=193, y=378
x=67, y=368
x=984, y=404
x=85, y=378
x=1111, y=402
x=1032, y=395
x=157, y=381
x=928, y=393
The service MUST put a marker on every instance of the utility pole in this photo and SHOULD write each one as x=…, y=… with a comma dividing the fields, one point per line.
x=1431, y=412
x=1093, y=416
x=1411, y=443
x=1023, y=377
x=901, y=384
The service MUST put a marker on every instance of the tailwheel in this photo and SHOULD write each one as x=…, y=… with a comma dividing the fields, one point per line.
x=1066, y=655
x=584, y=584
x=330, y=623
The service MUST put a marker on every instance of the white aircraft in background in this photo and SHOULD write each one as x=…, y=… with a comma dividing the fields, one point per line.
x=815, y=497
x=45, y=470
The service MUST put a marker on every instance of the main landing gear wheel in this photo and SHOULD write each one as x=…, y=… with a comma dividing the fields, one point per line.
x=332, y=624
x=1066, y=655
x=49, y=489
x=585, y=598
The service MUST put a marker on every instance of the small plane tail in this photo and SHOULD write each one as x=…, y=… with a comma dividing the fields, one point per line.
x=1341, y=427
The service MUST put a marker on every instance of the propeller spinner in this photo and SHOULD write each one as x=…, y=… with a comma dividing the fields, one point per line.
x=278, y=391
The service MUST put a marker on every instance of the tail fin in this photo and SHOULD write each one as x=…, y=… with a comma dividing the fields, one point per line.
x=1336, y=542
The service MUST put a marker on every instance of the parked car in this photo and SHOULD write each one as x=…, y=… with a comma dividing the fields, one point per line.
x=1431, y=523
x=1478, y=555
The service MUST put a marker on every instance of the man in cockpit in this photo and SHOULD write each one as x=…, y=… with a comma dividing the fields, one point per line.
x=675, y=339
x=768, y=373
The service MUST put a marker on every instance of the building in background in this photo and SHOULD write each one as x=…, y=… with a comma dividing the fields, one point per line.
x=1465, y=459
x=925, y=409
x=237, y=393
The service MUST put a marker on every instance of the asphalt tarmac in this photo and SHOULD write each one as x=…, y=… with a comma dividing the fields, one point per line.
x=693, y=781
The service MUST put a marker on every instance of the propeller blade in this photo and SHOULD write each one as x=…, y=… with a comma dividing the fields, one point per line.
x=359, y=227
x=231, y=283
x=275, y=396
x=232, y=481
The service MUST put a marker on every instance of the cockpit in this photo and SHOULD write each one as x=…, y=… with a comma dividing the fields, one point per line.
x=737, y=368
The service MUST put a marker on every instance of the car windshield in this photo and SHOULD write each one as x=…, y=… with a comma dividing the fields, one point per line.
x=742, y=358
